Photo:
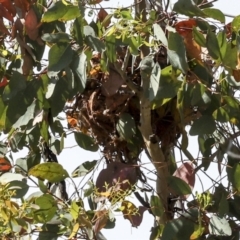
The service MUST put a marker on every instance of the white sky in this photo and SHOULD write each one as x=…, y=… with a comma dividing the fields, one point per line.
x=70, y=158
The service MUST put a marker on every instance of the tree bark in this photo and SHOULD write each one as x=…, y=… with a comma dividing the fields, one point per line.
x=155, y=151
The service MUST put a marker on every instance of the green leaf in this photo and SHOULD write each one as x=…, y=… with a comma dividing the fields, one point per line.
x=212, y=44
x=8, y=177
x=111, y=48
x=178, y=187
x=16, y=142
x=223, y=207
x=20, y=188
x=21, y=166
x=157, y=207
x=47, y=210
x=33, y=159
x=215, y=14
x=146, y=65
x=177, y=52
x=188, y=8
x=61, y=12
x=85, y=142
x=156, y=232
x=16, y=84
x=59, y=56
x=230, y=59
x=95, y=43
x=88, y=31
x=56, y=37
x=222, y=43
x=84, y=168
x=126, y=126
x=42, y=186
x=221, y=114
x=205, y=145
x=180, y=228
x=159, y=34
x=26, y=117
x=199, y=37
x=78, y=67
x=236, y=24
x=3, y=149
x=154, y=81
x=78, y=30
x=219, y=226
x=204, y=125
x=51, y=171
x=236, y=174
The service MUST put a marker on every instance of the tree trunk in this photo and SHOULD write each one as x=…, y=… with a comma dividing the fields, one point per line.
x=154, y=150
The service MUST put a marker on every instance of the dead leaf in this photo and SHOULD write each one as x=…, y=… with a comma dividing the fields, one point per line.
x=186, y=173
x=132, y=213
x=31, y=24
x=73, y=122
x=101, y=218
x=236, y=74
x=5, y=165
x=23, y=5
x=117, y=176
x=184, y=28
x=3, y=82
x=102, y=14
x=4, y=12
x=27, y=64
x=111, y=83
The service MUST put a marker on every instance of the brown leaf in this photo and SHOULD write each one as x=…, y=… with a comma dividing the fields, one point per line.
x=102, y=14
x=118, y=176
x=18, y=28
x=4, y=12
x=23, y=5
x=5, y=165
x=31, y=24
x=101, y=218
x=27, y=64
x=132, y=213
x=186, y=173
x=236, y=74
x=8, y=4
x=111, y=83
x=184, y=28
x=3, y=82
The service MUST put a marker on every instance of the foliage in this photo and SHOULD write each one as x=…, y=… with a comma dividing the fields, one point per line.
x=128, y=82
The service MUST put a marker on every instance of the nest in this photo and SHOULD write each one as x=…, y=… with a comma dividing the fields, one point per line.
x=96, y=111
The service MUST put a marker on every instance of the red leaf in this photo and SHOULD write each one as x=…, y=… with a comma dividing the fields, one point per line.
x=186, y=173
x=186, y=26
x=132, y=213
x=4, y=12
x=3, y=82
x=31, y=24
x=5, y=165
x=118, y=175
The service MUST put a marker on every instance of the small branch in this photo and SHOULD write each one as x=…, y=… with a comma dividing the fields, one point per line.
x=130, y=84
x=126, y=60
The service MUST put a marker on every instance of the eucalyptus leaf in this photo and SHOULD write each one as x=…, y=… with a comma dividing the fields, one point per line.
x=85, y=142
x=177, y=52
x=126, y=126
x=219, y=226
x=84, y=168
x=51, y=171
